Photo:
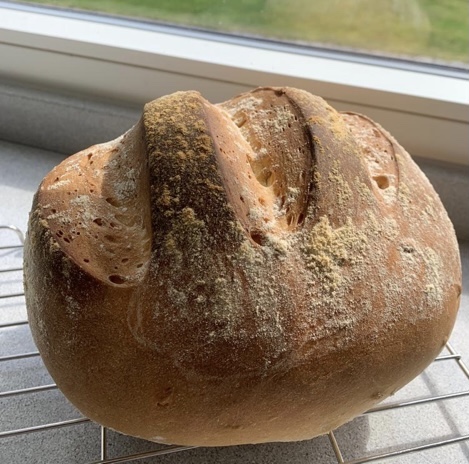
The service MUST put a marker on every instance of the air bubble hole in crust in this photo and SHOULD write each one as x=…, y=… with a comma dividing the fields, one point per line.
x=382, y=182
x=265, y=177
x=408, y=249
x=117, y=279
x=113, y=202
x=257, y=236
x=98, y=221
x=242, y=122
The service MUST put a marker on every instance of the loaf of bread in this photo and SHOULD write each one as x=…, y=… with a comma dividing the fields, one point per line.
x=260, y=270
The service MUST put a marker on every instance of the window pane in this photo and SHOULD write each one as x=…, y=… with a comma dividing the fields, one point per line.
x=423, y=30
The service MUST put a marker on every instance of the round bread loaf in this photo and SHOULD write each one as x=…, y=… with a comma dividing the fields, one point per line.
x=260, y=270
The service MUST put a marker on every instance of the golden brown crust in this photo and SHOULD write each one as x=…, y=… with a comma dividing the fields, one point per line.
x=301, y=269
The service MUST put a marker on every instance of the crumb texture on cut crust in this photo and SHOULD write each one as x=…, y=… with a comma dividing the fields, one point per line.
x=274, y=145
x=96, y=204
x=379, y=154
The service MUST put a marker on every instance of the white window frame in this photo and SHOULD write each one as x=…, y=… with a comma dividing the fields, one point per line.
x=133, y=62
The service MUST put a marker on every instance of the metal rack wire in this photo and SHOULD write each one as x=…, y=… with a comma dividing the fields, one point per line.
x=452, y=356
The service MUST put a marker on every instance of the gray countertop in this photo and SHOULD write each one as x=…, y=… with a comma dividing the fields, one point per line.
x=21, y=170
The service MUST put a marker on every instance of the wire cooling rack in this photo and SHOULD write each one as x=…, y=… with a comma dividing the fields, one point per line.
x=15, y=245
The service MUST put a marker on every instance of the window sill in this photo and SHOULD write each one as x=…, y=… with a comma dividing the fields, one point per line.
x=427, y=113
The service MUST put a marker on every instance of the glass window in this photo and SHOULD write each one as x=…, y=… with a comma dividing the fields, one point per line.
x=432, y=31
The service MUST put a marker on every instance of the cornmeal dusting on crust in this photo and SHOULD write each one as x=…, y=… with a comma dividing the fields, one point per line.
x=329, y=250
x=434, y=281
x=344, y=192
